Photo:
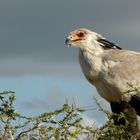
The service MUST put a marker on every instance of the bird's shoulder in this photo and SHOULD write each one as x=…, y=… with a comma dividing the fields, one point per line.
x=122, y=56
x=122, y=62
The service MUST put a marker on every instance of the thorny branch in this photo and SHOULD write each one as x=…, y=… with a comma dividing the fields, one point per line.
x=64, y=123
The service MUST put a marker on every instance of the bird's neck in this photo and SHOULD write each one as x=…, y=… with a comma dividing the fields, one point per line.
x=91, y=64
x=93, y=48
x=91, y=45
x=92, y=57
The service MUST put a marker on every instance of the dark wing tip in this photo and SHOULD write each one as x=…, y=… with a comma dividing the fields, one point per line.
x=135, y=102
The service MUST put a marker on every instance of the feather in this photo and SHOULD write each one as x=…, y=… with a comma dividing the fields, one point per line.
x=117, y=108
x=111, y=69
x=123, y=69
x=135, y=102
x=107, y=44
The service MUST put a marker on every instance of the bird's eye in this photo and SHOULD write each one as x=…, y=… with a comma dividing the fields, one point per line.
x=80, y=34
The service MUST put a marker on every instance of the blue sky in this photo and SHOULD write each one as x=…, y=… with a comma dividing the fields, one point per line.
x=37, y=94
x=34, y=61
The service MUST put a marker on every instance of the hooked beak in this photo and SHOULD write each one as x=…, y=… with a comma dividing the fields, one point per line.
x=67, y=41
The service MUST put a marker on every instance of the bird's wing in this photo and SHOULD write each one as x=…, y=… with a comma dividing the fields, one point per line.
x=123, y=62
x=123, y=67
x=135, y=102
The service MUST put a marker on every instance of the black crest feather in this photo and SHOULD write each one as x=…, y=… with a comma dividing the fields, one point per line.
x=107, y=44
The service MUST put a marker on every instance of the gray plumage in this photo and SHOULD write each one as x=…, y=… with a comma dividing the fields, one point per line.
x=109, y=68
x=112, y=73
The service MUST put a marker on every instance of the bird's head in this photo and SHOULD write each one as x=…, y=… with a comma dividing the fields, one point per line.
x=85, y=39
x=81, y=38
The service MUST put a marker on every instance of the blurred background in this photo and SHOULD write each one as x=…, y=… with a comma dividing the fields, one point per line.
x=34, y=61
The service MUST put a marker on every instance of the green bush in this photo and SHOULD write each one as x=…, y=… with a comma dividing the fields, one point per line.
x=62, y=124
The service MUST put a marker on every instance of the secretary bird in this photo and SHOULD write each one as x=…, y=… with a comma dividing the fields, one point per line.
x=111, y=69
